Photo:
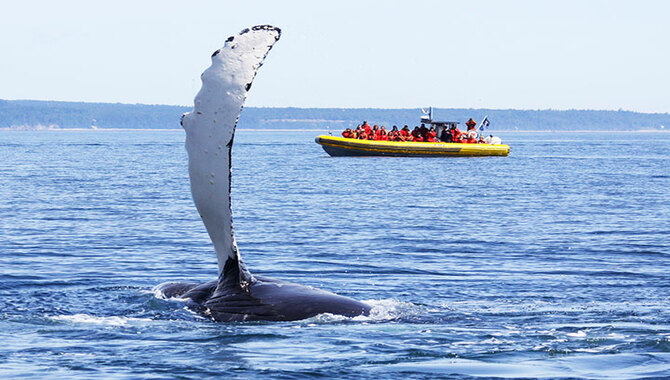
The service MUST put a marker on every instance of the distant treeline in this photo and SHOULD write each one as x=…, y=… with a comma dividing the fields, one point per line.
x=34, y=114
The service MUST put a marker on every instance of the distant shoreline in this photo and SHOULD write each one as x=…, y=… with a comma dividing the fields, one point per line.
x=47, y=115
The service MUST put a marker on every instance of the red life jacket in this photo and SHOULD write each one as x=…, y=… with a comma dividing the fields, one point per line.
x=430, y=136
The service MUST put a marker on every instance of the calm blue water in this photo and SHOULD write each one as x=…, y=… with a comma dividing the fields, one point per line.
x=552, y=262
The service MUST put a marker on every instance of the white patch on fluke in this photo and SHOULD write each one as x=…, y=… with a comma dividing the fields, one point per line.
x=211, y=127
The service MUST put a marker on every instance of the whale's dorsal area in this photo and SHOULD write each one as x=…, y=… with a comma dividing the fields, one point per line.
x=210, y=129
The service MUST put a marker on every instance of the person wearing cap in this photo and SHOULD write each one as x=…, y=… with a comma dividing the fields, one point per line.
x=471, y=133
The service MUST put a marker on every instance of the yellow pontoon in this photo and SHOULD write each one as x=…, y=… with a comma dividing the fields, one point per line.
x=340, y=146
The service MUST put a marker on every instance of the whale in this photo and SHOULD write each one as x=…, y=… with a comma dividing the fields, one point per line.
x=237, y=295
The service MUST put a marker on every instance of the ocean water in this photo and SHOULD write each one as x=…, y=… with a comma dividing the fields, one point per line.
x=550, y=263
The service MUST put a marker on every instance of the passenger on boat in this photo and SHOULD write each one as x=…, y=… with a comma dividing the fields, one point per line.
x=431, y=135
x=416, y=133
x=348, y=133
x=456, y=134
x=375, y=132
x=424, y=131
x=359, y=132
x=394, y=134
x=446, y=135
x=362, y=135
x=367, y=127
x=383, y=135
x=471, y=133
x=469, y=139
x=405, y=133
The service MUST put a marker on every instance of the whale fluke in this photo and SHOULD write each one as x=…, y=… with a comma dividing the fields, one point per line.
x=210, y=129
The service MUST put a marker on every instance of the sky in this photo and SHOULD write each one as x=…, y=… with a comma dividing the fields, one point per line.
x=356, y=54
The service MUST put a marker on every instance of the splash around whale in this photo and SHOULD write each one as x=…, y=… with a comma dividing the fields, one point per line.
x=237, y=295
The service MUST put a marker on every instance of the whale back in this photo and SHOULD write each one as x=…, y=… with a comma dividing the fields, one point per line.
x=210, y=130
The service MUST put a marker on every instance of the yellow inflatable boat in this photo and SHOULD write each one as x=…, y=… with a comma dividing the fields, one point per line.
x=340, y=146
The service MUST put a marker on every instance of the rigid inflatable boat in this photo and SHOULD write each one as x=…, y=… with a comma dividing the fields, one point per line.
x=343, y=146
x=340, y=146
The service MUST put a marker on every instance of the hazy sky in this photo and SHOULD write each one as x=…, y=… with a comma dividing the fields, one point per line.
x=385, y=54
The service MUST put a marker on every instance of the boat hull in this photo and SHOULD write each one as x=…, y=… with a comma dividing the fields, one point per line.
x=340, y=146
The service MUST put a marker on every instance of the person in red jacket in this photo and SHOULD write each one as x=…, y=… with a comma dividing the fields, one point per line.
x=431, y=135
x=394, y=134
x=366, y=127
x=471, y=133
x=347, y=133
x=383, y=135
x=457, y=135
x=375, y=132
x=404, y=133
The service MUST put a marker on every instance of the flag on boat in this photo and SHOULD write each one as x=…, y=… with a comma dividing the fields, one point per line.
x=484, y=124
